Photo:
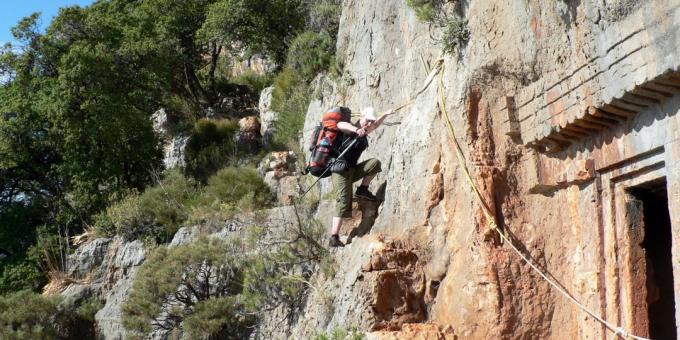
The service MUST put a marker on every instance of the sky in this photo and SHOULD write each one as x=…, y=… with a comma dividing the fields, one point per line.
x=11, y=11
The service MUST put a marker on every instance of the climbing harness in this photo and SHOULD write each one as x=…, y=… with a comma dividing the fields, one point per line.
x=618, y=331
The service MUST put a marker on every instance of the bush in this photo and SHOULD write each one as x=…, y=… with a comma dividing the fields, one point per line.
x=455, y=31
x=210, y=147
x=157, y=213
x=218, y=317
x=426, y=10
x=50, y=252
x=88, y=308
x=290, y=98
x=256, y=81
x=229, y=191
x=169, y=202
x=280, y=273
x=20, y=274
x=233, y=184
x=213, y=286
x=161, y=210
x=124, y=218
x=324, y=17
x=27, y=315
x=174, y=284
x=311, y=53
x=340, y=334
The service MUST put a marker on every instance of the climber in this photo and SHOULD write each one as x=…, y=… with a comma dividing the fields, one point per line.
x=366, y=170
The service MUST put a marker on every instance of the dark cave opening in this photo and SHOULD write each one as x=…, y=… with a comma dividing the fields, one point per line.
x=659, y=266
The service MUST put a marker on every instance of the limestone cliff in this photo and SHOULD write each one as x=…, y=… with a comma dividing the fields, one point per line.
x=564, y=110
x=547, y=99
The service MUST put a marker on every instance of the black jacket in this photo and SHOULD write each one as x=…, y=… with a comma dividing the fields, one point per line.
x=354, y=153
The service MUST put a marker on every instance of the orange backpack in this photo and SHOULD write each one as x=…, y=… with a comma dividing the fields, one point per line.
x=326, y=140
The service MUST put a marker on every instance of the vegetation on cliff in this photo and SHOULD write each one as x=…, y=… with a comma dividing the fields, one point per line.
x=78, y=151
x=215, y=288
x=447, y=17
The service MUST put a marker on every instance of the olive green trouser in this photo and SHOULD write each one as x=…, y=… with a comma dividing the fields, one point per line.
x=342, y=184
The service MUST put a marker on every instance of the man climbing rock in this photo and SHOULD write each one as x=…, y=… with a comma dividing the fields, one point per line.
x=364, y=171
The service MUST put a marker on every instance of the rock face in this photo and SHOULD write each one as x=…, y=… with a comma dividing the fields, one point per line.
x=398, y=286
x=175, y=152
x=267, y=116
x=121, y=273
x=256, y=63
x=105, y=268
x=88, y=258
x=279, y=170
x=161, y=123
x=555, y=105
x=173, y=145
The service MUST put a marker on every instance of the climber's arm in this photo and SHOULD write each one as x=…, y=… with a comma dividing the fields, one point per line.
x=349, y=128
x=381, y=119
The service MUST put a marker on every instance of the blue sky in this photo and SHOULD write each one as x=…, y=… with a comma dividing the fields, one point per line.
x=11, y=11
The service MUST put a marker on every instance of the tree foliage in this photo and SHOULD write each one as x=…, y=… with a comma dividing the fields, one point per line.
x=158, y=212
x=215, y=288
x=447, y=16
x=264, y=26
x=27, y=315
x=195, y=282
x=75, y=101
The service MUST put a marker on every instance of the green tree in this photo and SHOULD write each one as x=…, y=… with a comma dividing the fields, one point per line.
x=200, y=282
x=74, y=125
x=26, y=315
x=257, y=26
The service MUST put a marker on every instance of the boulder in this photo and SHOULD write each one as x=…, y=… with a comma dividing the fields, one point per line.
x=249, y=124
x=265, y=99
x=175, y=152
x=279, y=172
x=249, y=134
x=161, y=122
x=88, y=257
x=184, y=235
x=173, y=145
x=268, y=117
x=283, y=161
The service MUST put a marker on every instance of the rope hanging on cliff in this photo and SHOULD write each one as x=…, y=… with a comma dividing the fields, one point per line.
x=435, y=69
x=618, y=331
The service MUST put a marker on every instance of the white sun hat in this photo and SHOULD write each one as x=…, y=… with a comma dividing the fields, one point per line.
x=368, y=113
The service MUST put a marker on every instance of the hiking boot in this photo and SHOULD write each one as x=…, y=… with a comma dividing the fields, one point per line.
x=334, y=241
x=362, y=192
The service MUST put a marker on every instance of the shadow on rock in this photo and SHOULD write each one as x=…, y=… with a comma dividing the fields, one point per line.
x=369, y=212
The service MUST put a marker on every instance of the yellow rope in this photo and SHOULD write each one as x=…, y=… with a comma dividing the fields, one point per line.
x=619, y=331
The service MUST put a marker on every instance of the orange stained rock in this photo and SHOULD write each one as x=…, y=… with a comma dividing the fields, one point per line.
x=418, y=331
